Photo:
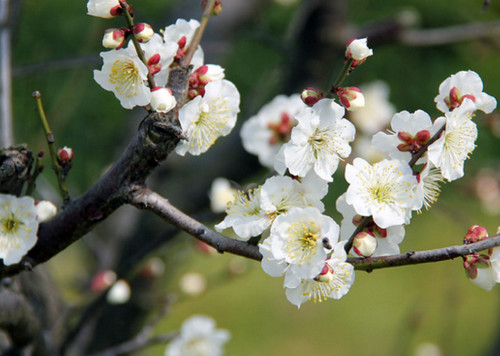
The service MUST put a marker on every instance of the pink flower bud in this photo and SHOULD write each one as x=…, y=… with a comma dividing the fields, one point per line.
x=162, y=99
x=455, y=99
x=143, y=32
x=476, y=233
x=326, y=274
x=357, y=49
x=422, y=137
x=311, y=96
x=364, y=244
x=113, y=38
x=154, y=65
x=102, y=280
x=351, y=98
x=64, y=155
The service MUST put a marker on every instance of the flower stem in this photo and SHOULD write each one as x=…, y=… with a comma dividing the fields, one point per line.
x=138, y=49
x=63, y=189
x=195, y=41
x=342, y=75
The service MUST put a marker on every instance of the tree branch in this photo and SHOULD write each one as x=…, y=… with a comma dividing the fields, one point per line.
x=411, y=258
x=146, y=199
x=156, y=137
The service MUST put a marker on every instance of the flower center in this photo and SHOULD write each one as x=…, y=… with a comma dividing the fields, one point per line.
x=125, y=75
x=11, y=224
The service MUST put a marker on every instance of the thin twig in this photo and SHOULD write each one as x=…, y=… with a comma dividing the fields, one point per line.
x=195, y=41
x=149, y=200
x=63, y=189
x=412, y=257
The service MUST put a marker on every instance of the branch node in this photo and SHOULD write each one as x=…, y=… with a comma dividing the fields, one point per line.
x=410, y=253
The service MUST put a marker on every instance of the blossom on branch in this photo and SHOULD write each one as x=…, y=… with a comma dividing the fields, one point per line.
x=18, y=227
x=198, y=337
x=244, y=215
x=408, y=135
x=205, y=119
x=318, y=142
x=334, y=280
x=460, y=86
x=298, y=238
x=159, y=56
x=384, y=190
x=182, y=33
x=388, y=239
x=451, y=150
x=125, y=75
x=265, y=133
x=162, y=99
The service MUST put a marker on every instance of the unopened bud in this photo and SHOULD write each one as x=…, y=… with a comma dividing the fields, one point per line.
x=162, y=99
x=119, y=292
x=476, y=233
x=326, y=274
x=455, y=98
x=64, y=155
x=104, y=8
x=357, y=49
x=422, y=137
x=102, y=280
x=209, y=73
x=351, y=98
x=364, y=244
x=143, y=32
x=217, y=9
x=45, y=210
x=311, y=96
x=114, y=38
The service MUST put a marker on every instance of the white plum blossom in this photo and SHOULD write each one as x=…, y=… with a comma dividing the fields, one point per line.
x=125, y=75
x=198, y=337
x=265, y=133
x=298, y=238
x=409, y=133
x=377, y=112
x=458, y=140
x=18, y=227
x=244, y=215
x=119, y=293
x=388, y=240
x=334, y=281
x=358, y=50
x=103, y=8
x=221, y=193
x=281, y=194
x=318, y=142
x=384, y=191
x=162, y=99
x=205, y=119
x=462, y=85
x=182, y=33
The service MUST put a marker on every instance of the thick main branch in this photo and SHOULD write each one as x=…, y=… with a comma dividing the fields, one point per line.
x=156, y=137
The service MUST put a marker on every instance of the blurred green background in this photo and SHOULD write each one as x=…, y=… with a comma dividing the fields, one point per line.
x=387, y=312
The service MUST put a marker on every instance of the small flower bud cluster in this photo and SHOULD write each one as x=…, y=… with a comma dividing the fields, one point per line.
x=311, y=96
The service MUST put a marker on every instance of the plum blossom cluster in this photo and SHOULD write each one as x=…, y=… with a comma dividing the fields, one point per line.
x=137, y=75
x=305, y=140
